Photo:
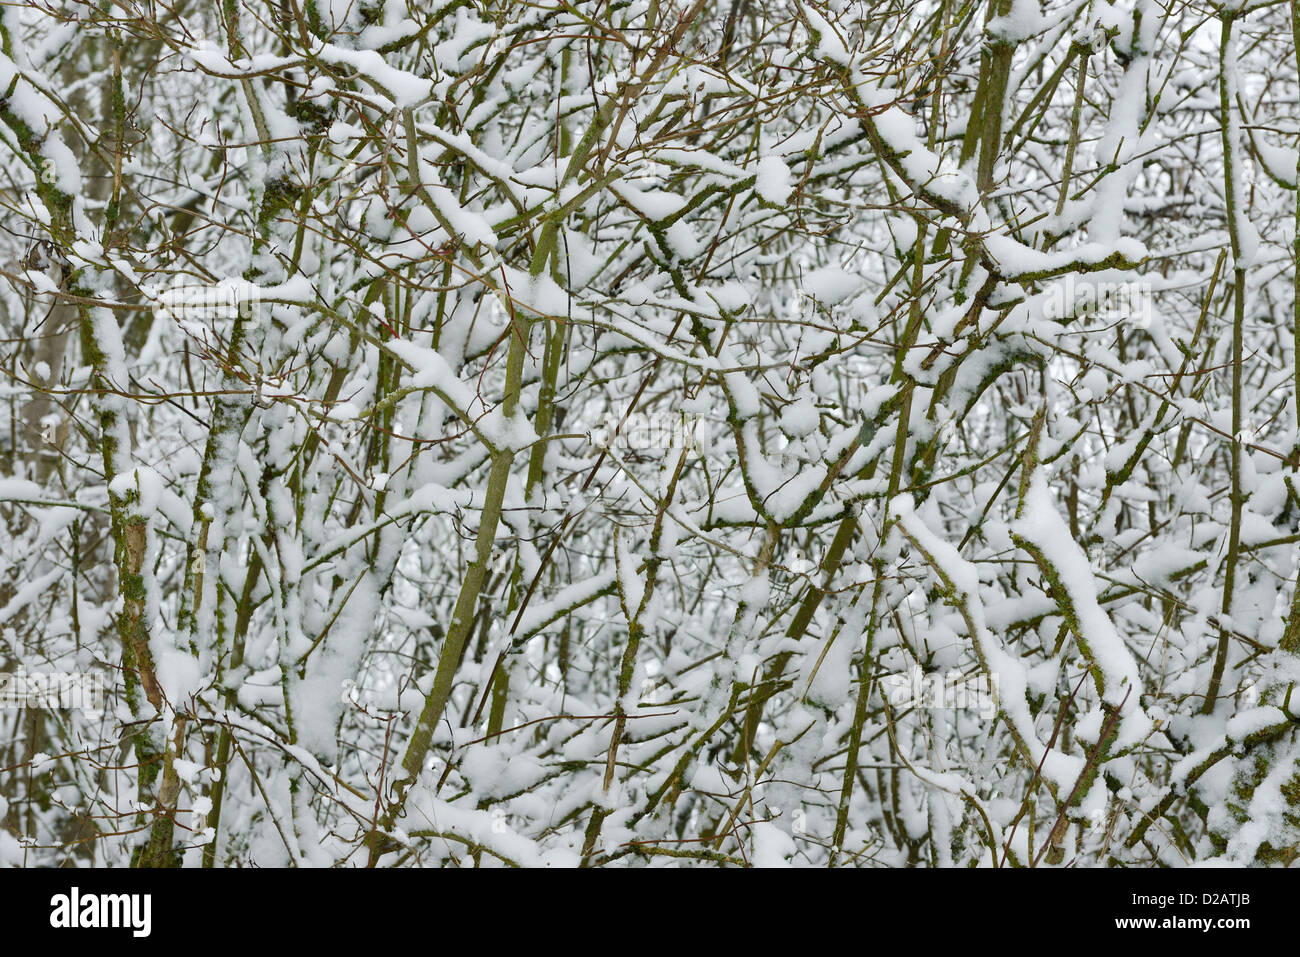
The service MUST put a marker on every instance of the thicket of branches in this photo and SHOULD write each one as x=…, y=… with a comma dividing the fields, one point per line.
x=572, y=432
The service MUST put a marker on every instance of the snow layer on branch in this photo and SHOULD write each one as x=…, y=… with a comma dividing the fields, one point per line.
x=490, y=830
x=772, y=181
x=1015, y=259
x=1022, y=22
x=1008, y=677
x=831, y=285
x=407, y=89
x=431, y=371
x=829, y=45
x=924, y=168
x=1041, y=525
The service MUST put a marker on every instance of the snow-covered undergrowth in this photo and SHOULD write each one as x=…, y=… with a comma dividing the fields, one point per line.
x=649, y=433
